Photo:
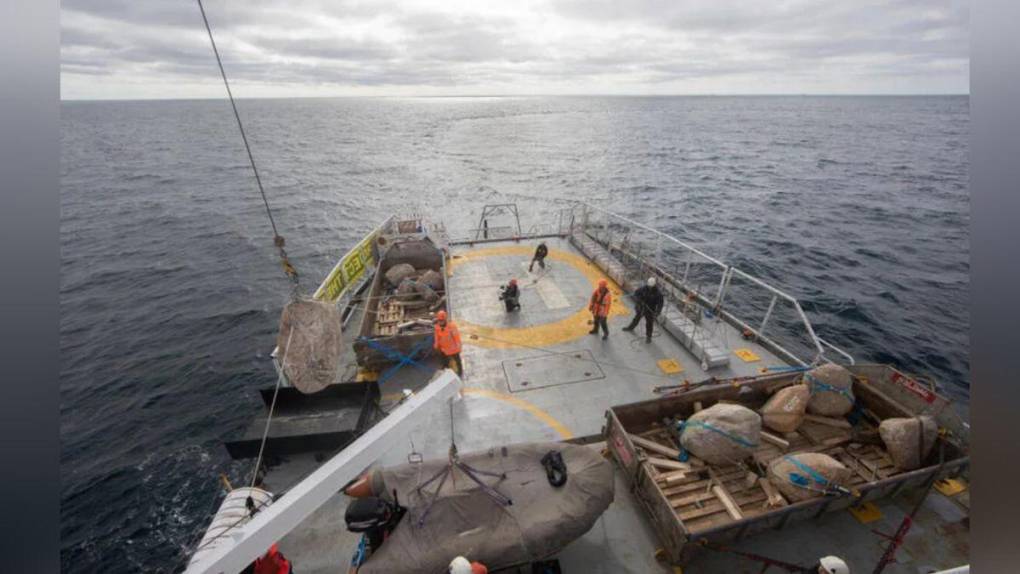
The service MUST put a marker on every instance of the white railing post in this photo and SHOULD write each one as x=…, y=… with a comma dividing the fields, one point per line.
x=764, y=321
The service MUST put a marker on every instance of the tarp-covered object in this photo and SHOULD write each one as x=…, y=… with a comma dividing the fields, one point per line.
x=312, y=359
x=722, y=433
x=465, y=521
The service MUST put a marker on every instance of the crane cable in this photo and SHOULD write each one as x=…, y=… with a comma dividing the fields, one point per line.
x=278, y=240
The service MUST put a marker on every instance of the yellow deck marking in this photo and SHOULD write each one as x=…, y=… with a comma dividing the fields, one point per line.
x=866, y=512
x=536, y=412
x=747, y=355
x=670, y=366
x=565, y=330
x=950, y=486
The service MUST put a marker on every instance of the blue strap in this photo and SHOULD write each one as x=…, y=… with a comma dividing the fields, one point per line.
x=394, y=355
x=816, y=384
x=800, y=480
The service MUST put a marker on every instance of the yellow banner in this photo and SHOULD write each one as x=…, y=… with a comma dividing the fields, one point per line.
x=350, y=269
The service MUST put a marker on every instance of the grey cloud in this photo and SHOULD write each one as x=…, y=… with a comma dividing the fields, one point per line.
x=390, y=44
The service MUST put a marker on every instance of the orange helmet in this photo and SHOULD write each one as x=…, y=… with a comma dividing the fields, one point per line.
x=441, y=315
x=513, y=282
x=603, y=283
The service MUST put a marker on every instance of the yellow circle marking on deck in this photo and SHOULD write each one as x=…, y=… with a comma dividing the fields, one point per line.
x=536, y=412
x=565, y=330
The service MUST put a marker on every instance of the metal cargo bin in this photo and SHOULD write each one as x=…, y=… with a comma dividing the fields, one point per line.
x=380, y=342
x=881, y=389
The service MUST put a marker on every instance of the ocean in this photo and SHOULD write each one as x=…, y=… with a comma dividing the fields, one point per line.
x=171, y=290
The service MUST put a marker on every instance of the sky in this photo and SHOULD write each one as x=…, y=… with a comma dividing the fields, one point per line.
x=138, y=49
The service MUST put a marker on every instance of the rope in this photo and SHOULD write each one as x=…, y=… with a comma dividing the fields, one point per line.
x=272, y=406
x=277, y=238
x=818, y=478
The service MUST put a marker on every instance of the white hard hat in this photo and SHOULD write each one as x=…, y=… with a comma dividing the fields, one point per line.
x=831, y=565
x=651, y=281
x=460, y=565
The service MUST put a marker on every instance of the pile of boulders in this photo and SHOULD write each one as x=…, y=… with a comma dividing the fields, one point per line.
x=414, y=287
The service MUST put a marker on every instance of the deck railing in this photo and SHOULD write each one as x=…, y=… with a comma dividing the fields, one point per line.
x=779, y=319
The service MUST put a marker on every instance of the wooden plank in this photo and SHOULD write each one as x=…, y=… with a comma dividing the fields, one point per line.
x=773, y=439
x=773, y=495
x=669, y=464
x=829, y=421
x=654, y=446
x=671, y=477
x=731, y=506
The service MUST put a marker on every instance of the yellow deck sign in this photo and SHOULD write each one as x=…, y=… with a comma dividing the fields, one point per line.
x=351, y=268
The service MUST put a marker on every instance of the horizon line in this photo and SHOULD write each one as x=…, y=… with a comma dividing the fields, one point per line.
x=452, y=96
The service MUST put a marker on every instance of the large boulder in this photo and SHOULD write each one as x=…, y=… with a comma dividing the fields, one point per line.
x=822, y=466
x=909, y=440
x=425, y=292
x=310, y=344
x=396, y=274
x=433, y=279
x=722, y=433
x=832, y=393
x=408, y=289
x=784, y=410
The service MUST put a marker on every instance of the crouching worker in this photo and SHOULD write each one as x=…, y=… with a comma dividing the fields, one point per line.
x=461, y=565
x=447, y=341
x=510, y=295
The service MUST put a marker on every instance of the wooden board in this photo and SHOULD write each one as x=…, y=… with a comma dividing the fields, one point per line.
x=773, y=439
x=668, y=464
x=654, y=446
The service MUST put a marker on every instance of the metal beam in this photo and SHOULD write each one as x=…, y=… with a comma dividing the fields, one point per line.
x=274, y=522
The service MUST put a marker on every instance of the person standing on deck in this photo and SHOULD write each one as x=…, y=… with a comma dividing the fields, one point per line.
x=601, y=301
x=540, y=254
x=649, y=304
x=447, y=341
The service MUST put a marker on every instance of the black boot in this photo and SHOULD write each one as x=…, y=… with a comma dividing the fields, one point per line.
x=628, y=329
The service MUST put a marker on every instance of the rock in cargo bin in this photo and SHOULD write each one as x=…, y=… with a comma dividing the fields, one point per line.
x=721, y=433
x=901, y=437
x=396, y=274
x=784, y=410
x=806, y=475
x=832, y=392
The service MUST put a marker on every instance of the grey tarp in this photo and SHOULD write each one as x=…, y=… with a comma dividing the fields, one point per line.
x=465, y=521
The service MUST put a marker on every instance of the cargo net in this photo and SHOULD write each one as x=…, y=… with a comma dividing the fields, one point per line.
x=310, y=344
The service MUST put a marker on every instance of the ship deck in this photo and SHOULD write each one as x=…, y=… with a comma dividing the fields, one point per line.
x=537, y=375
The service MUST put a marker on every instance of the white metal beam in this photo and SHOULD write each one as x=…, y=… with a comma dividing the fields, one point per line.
x=254, y=538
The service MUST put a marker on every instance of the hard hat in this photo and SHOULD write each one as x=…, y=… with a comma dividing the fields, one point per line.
x=441, y=315
x=603, y=283
x=460, y=565
x=832, y=565
x=513, y=282
x=651, y=281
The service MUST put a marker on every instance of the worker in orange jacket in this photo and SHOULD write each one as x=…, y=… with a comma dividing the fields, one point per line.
x=446, y=340
x=601, y=301
x=273, y=562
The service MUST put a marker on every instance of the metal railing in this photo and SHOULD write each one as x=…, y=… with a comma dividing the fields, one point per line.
x=705, y=279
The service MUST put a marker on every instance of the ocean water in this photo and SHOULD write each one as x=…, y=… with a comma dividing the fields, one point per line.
x=170, y=288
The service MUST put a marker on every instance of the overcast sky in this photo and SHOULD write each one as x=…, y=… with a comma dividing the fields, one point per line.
x=159, y=48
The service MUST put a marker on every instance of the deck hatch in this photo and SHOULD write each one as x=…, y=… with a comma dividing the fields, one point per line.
x=567, y=368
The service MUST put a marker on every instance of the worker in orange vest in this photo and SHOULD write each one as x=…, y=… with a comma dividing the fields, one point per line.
x=446, y=340
x=601, y=300
x=272, y=563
